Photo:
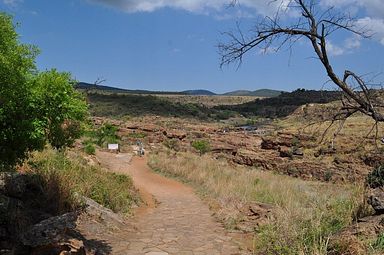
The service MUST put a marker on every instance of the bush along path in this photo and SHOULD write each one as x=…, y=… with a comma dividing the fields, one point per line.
x=173, y=221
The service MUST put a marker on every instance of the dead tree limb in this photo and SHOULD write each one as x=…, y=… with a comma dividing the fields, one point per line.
x=315, y=25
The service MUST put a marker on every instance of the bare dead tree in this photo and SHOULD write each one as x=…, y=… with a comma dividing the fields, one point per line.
x=315, y=25
x=99, y=81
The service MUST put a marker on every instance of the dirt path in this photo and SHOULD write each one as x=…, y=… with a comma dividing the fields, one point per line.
x=177, y=223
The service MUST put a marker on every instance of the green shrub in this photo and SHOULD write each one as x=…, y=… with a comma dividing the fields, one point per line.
x=202, y=146
x=71, y=176
x=379, y=243
x=295, y=142
x=375, y=179
x=90, y=149
x=225, y=114
x=106, y=134
x=328, y=175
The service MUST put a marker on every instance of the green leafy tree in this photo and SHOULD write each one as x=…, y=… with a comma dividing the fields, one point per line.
x=34, y=107
x=61, y=106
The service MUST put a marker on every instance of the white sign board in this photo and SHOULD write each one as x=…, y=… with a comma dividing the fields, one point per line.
x=113, y=146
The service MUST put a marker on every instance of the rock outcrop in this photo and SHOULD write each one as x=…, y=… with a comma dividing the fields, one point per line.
x=376, y=200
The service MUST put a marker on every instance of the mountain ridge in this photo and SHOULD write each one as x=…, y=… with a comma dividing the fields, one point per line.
x=192, y=92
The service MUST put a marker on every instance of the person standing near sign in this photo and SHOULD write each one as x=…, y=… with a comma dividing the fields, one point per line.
x=141, y=148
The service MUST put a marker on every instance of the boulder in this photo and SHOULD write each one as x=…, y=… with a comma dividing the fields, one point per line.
x=373, y=159
x=123, y=132
x=217, y=147
x=250, y=158
x=150, y=128
x=325, y=151
x=98, y=211
x=68, y=247
x=285, y=152
x=297, y=152
x=132, y=126
x=13, y=184
x=50, y=231
x=269, y=144
x=175, y=134
x=273, y=143
x=376, y=200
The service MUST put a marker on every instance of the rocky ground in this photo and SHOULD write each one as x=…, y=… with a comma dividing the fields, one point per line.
x=271, y=147
x=268, y=147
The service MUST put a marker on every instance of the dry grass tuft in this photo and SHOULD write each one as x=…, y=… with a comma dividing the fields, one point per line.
x=305, y=214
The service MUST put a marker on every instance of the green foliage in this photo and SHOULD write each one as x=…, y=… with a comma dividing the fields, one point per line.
x=328, y=175
x=379, y=243
x=106, y=134
x=295, y=142
x=72, y=177
x=20, y=130
x=34, y=108
x=119, y=105
x=202, y=146
x=224, y=114
x=61, y=106
x=283, y=105
x=89, y=148
x=375, y=179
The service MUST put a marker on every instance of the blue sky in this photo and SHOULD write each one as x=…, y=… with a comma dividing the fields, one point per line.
x=170, y=45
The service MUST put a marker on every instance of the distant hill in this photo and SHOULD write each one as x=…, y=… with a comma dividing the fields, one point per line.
x=195, y=92
x=88, y=86
x=198, y=92
x=101, y=88
x=256, y=93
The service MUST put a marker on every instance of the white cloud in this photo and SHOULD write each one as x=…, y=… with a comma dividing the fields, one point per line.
x=374, y=26
x=373, y=7
x=374, y=22
x=12, y=3
x=353, y=42
x=251, y=8
x=199, y=6
x=334, y=50
x=348, y=46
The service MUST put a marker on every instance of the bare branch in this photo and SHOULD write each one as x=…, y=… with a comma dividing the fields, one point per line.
x=315, y=25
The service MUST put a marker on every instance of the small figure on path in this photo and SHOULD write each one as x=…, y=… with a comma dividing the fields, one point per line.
x=141, y=148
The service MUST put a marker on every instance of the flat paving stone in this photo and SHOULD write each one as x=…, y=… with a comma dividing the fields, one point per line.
x=180, y=223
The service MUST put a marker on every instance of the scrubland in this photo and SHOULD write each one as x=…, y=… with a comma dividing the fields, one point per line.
x=304, y=214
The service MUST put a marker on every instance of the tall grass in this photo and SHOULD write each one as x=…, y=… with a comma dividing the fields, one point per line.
x=305, y=214
x=63, y=178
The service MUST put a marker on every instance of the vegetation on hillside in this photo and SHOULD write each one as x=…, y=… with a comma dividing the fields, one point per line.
x=257, y=93
x=202, y=146
x=137, y=105
x=282, y=105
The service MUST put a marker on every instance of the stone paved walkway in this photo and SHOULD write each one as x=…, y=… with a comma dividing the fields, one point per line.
x=179, y=223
